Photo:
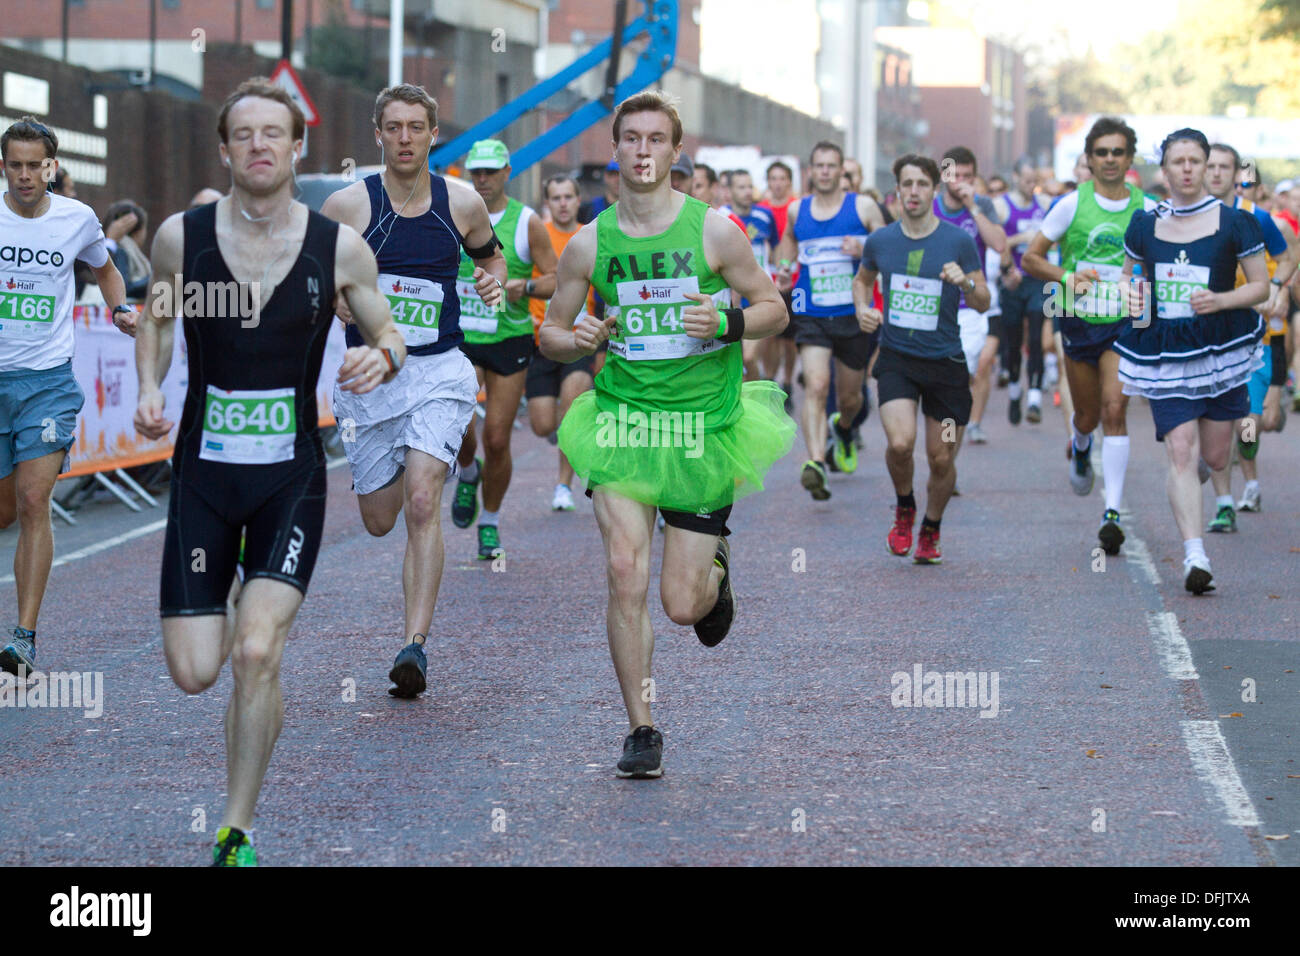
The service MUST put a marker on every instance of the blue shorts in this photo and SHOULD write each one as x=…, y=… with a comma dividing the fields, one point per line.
x=1169, y=413
x=1259, y=382
x=1085, y=341
x=38, y=414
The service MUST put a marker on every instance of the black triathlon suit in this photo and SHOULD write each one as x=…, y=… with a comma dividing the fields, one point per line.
x=248, y=464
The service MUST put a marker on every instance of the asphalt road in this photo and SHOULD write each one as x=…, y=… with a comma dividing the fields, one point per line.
x=1120, y=734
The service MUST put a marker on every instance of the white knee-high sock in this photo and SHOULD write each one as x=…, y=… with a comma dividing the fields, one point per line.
x=1114, y=462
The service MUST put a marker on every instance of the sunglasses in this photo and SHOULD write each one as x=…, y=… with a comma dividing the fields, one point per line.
x=1102, y=153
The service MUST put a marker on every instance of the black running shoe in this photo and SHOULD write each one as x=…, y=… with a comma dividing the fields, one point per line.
x=643, y=754
x=408, y=671
x=713, y=627
x=1111, y=535
x=1013, y=411
x=464, y=507
x=813, y=477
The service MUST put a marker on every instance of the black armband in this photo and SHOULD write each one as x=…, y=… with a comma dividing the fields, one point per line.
x=485, y=250
x=735, y=325
x=1277, y=374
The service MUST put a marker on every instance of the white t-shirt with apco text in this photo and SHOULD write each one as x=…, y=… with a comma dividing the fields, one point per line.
x=37, y=288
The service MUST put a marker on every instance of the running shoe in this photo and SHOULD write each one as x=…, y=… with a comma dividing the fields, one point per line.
x=408, y=671
x=464, y=507
x=927, y=549
x=489, y=542
x=1111, y=535
x=1224, y=522
x=788, y=388
x=814, y=479
x=975, y=434
x=900, y=535
x=562, y=500
x=1081, y=474
x=1250, y=501
x=713, y=627
x=1004, y=378
x=1197, y=576
x=233, y=849
x=1202, y=470
x=1034, y=414
x=844, y=455
x=19, y=652
x=643, y=754
x=1013, y=411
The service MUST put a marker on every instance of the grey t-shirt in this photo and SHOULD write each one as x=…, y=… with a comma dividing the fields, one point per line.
x=920, y=309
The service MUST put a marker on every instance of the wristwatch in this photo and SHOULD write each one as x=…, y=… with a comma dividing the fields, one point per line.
x=123, y=308
x=391, y=356
x=528, y=287
x=970, y=284
x=1276, y=282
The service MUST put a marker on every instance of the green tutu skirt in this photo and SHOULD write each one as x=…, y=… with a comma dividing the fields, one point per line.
x=666, y=460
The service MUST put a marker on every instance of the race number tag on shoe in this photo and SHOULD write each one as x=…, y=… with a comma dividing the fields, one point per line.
x=26, y=306
x=914, y=302
x=248, y=427
x=1104, y=297
x=650, y=319
x=474, y=315
x=416, y=305
x=1175, y=283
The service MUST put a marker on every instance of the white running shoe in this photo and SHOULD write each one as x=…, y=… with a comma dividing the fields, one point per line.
x=1250, y=500
x=563, y=499
x=975, y=434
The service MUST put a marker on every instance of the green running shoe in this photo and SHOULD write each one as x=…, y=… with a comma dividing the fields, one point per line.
x=489, y=542
x=233, y=848
x=464, y=507
x=845, y=455
x=1225, y=521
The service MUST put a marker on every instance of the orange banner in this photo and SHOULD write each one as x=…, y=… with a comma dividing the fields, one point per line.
x=104, y=366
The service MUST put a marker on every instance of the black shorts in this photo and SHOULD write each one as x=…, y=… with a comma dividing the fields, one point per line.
x=1086, y=341
x=507, y=357
x=713, y=522
x=839, y=333
x=942, y=386
x=279, y=509
x=545, y=375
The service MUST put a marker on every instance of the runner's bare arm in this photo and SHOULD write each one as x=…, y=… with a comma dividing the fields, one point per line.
x=113, y=286
x=1034, y=261
x=544, y=258
x=558, y=339
x=994, y=236
x=349, y=205
x=787, y=250
x=864, y=283
x=356, y=277
x=157, y=326
x=869, y=213
x=471, y=218
x=729, y=248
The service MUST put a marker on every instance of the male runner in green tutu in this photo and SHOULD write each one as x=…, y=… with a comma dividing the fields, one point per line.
x=668, y=424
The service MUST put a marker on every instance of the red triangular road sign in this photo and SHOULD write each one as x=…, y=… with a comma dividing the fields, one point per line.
x=285, y=76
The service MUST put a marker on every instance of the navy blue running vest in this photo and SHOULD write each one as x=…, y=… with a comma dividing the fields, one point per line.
x=421, y=247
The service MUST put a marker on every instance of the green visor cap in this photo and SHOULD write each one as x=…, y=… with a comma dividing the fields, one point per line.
x=488, y=154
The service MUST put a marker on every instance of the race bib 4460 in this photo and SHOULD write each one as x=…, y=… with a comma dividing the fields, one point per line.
x=26, y=306
x=416, y=306
x=474, y=315
x=248, y=427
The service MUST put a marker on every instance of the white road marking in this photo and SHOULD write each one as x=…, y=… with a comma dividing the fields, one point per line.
x=1137, y=553
x=126, y=536
x=99, y=546
x=1174, y=652
x=1214, y=765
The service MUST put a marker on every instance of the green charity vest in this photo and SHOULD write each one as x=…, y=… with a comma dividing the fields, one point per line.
x=1095, y=240
x=483, y=326
x=653, y=365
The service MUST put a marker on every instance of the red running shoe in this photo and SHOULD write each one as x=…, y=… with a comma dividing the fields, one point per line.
x=927, y=552
x=900, y=535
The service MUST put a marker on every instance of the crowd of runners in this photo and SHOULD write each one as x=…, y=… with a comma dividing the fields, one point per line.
x=656, y=335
